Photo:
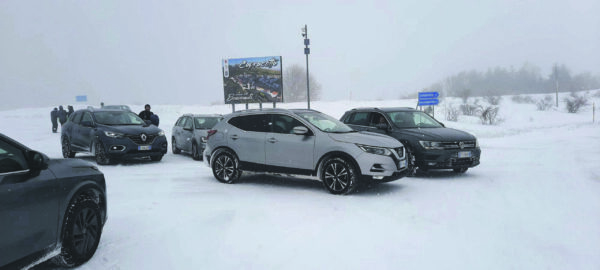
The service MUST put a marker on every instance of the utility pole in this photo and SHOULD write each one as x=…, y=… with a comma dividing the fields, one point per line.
x=556, y=82
x=306, y=52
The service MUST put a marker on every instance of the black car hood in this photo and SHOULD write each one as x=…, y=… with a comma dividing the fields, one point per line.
x=134, y=129
x=437, y=134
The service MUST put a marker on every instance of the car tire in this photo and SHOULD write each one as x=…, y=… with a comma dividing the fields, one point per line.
x=156, y=158
x=225, y=167
x=66, y=148
x=81, y=233
x=339, y=176
x=460, y=170
x=102, y=157
x=174, y=147
x=195, y=154
x=412, y=162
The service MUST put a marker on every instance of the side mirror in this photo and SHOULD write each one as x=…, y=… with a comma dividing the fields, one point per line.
x=442, y=124
x=382, y=126
x=87, y=124
x=300, y=130
x=37, y=161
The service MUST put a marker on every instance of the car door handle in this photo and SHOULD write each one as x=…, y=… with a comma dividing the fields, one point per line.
x=272, y=140
x=234, y=137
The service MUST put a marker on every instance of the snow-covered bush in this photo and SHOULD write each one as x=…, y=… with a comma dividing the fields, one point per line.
x=575, y=102
x=452, y=112
x=523, y=99
x=489, y=115
x=493, y=100
x=544, y=104
x=470, y=109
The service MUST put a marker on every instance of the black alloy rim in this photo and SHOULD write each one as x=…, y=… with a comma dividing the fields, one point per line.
x=86, y=231
x=224, y=167
x=337, y=176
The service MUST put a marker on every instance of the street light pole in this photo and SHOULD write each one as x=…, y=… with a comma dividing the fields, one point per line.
x=306, y=52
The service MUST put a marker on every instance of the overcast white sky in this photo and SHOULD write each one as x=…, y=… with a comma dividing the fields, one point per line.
x=170, y=52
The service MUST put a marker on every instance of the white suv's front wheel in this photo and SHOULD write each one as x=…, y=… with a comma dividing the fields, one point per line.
x=225, y=167
x=339, y=176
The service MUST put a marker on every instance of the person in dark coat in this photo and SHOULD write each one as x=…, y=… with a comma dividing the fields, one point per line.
x=146, y=113
x=54, y=119
x=69, y=111
x=62, y=115
x=154, y=119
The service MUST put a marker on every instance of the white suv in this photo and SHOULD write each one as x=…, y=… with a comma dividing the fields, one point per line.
x=304, y=142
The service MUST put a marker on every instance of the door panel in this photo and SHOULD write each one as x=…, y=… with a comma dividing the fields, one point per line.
x=290, y=150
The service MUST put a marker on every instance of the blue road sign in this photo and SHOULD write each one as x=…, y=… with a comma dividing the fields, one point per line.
x=81, y=98
x=429, y=102
x=428, y=95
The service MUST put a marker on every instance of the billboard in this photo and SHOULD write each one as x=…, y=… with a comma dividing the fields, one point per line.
x=253, y=80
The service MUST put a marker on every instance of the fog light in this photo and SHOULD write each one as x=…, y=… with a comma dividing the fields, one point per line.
x=431, y=163
x=378, y=177
x=377, y=168
x=117, y=148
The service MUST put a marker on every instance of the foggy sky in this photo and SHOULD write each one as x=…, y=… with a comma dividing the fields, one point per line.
x=170, y=52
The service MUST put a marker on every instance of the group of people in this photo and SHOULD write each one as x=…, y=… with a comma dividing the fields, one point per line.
x=60, y=115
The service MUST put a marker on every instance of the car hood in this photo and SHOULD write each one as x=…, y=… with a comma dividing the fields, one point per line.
x=72, y=167
x=439, y=134
x=134, y=130
x=366, y=138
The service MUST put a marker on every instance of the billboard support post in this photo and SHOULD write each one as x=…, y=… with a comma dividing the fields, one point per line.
x=232, y=107
x=306, y=52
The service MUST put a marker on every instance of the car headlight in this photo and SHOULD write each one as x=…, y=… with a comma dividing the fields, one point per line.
x=375, y=150
x=476, y=143
x=113, y=134
x=429, y=145
x=161, y=133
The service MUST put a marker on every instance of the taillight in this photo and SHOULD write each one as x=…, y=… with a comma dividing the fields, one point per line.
x=210, y=133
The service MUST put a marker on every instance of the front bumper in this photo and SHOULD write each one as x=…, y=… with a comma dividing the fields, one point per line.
x=448, y=159
x=382, y=168
x=124, y=148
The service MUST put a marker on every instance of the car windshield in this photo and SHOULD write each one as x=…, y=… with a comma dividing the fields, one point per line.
x=205, y=122
x=113, y=118
x=413, y=119
x=325, y=122
x=117, y=107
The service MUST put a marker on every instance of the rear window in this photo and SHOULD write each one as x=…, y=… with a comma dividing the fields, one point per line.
x=205, y=122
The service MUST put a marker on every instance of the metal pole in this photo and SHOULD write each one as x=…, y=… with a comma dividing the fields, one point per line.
x=307, y=52
x=556, y=82
x=594, y=112
x=232, y=107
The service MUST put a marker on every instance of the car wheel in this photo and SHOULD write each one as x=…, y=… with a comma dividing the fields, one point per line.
x=460, y=170
x=102, y=157
x=81, y=233
x=66, y=148
x=174, y=147
x=412, y=162
x=339, y=176
x=225, y=167
x=156, y=158
x=195, y=154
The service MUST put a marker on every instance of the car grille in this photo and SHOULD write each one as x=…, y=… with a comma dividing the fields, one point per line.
x=458, y=145
x=138, y=140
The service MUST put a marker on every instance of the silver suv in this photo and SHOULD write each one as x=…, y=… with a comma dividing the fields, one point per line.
x=304, y=142
x=189, y=133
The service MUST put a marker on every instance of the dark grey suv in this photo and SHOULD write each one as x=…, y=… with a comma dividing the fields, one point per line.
x=48, y=208
x=304, y=142
x=112, y=135
x=190, y=131
x=432, y=144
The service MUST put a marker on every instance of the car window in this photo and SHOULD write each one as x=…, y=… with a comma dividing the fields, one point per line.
x=377, y=119
x=325, y=122
x=76, y=117
x=87, y=117
x=255, y=122
x=284, y=124
x=118, y=118
x=188, y=123
x=358, y=118
x=413, y=119
x=12, y=159
x=205, y=122
x=180, y=121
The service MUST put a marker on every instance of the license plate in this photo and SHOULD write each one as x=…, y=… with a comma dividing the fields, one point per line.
x=144, y=147
x=402, y=164
x=464, y=154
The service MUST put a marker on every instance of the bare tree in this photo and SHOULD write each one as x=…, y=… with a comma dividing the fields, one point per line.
x=489, y=115
x=294, y=84
x=575, y=102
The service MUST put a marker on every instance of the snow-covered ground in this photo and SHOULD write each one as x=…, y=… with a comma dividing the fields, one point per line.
x=533, y=203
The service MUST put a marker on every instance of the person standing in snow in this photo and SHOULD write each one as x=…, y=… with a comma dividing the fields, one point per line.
x=69, y=111
x=62, y=115
x=146, y=113
x=154, y=119
x=54, y=119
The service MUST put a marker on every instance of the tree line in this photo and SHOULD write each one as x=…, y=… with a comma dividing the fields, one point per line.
x=506, y=81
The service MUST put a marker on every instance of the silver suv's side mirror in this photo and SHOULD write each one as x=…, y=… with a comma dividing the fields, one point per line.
x=300, y=130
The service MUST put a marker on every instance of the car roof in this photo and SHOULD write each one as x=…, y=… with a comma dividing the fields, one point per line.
x=92, y=109
x=201, y=115
x=271, y=110
x=386, y=109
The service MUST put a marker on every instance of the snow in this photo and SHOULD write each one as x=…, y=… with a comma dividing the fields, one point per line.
x=533, y=203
